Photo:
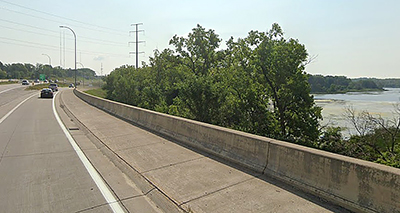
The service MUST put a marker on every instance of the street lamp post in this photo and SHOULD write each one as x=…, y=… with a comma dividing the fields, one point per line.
x=75, y=48
x=48, y=57
x=83, y=74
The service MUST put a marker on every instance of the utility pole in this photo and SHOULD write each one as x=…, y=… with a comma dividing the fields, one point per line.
x=137, y=43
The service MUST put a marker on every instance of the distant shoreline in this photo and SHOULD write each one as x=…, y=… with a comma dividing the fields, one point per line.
x=350, y=90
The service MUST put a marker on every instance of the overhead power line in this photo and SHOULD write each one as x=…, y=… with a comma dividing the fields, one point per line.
x=86, y=39
x=41, y=46
x=57, y=16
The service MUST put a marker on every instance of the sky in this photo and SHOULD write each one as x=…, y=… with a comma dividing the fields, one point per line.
x=354, y=38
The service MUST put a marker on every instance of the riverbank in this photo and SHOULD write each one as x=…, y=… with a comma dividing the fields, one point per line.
x=377, y=103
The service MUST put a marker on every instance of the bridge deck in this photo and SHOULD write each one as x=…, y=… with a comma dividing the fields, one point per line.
x=190, y=180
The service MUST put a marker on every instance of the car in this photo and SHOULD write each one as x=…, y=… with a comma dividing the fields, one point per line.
x=46, y=93
x=25, y=82
x=71, y=86
x=45, y=81
x=36, y=81
x=53, y=86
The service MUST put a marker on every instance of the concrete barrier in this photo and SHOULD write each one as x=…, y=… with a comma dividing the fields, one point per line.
x=358, y=185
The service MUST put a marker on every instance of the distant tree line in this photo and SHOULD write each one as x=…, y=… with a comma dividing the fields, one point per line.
x=256, y=85
x=341, y=84
x=29, y=71
x=387, y=82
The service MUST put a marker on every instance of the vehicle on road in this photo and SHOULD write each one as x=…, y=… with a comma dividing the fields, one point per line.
x=46, y=93
x=25, y=82
x=71, y=86
x=53, y=86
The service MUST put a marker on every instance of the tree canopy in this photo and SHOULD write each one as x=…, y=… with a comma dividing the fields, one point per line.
x=257, y=84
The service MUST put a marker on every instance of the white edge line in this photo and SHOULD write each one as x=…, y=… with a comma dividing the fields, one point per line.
x=112, y=202
x=9, y=113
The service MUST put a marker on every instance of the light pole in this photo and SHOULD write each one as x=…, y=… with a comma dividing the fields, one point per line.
x=83, y=74
x=75, y=47
x=48, y=57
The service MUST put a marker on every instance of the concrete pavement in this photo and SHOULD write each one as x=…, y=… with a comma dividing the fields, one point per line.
x=39, y=170
x=124, y=189
x=175, y=177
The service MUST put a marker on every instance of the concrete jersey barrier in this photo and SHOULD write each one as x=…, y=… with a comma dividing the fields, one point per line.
x=358, y=185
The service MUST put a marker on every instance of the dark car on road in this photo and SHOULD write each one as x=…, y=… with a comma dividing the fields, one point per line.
x=53, y=86
x=46, y=93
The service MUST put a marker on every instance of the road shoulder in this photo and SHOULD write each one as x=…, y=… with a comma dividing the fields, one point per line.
x=125, y=190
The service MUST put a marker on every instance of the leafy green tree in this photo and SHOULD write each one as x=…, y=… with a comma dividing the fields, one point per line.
x=168, y=72
x=3, y=74
x=246, y=107
x=200, y=94
x=257, y=84
x=198, y=51
x=331, y=140
x=280, y=64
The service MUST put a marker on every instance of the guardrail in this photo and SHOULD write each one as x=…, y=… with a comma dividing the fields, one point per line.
x=357, y=185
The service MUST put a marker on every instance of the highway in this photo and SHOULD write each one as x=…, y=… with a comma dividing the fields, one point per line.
x=63, y=155
x=40, y=170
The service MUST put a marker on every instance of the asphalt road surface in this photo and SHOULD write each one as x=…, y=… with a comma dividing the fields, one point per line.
x=39, y=169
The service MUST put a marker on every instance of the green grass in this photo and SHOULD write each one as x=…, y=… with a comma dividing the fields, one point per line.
x=97, y=92
x=8, y=82
x=41, y=86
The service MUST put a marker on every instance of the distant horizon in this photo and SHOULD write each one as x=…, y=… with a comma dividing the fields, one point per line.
x=133, y=65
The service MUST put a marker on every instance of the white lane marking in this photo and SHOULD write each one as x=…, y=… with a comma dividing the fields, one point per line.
x=9, y=113
x=112, y=202
x=9, y=89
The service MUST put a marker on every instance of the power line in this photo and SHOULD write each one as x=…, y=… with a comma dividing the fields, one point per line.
x=54, y=21
x=56, y=32
x=57, y=16
x=39, y=45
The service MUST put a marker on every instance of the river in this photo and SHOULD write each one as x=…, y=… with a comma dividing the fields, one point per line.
x=377, y=103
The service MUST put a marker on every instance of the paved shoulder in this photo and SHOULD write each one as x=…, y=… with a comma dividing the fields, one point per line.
x=193, y=181
x=125, y=190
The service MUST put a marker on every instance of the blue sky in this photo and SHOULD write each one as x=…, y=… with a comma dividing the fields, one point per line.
x=352, y=38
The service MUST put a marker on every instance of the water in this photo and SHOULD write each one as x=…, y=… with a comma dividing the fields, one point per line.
x=376, y=103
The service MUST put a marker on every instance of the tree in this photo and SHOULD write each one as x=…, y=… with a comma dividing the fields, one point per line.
x=247, y=107
x=200, y=93
x=198, y=50
x=280, y=67
x=257, y=84
x=3, y=74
